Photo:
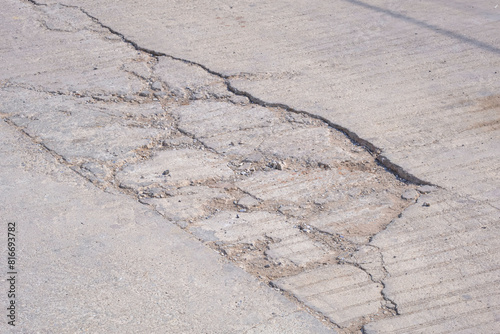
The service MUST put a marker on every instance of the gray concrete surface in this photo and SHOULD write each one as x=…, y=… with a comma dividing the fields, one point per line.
x=223, y=118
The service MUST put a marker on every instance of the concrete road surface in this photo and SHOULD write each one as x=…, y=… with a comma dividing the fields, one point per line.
x=278, y=167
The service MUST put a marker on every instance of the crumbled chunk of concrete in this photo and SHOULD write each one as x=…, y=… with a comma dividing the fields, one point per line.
x=208, y=119
x=279, y=165
x=156, y=86
x=145, y=93
x=410, y=195
x=160, y=95
x=312, y=144
x=129, y=98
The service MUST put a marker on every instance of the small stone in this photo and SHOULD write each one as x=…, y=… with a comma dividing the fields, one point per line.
x=156, y=86
x=128, y=98
x=324, y=165
x=426, y=204
x=166, y=172
x=160, y=95
x=320, y=201
x=179, y=92
x=426, y=189
x=410, y=195
x=145, y=93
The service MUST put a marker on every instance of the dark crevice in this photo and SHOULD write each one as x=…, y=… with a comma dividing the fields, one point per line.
x=36, y=3
x=374, y=150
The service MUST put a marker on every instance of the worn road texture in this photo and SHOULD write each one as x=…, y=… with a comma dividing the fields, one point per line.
x=344, y=154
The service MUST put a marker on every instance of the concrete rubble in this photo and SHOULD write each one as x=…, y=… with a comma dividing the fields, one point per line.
x=164, y=185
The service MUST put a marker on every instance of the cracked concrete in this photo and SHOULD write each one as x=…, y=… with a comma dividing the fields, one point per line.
x=307, y=203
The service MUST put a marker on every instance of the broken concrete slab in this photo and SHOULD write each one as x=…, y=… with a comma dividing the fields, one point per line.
x=335, y=76
x=237, y=130
x=317, y=145
x=355, y=204
x=299, y=249
x=94, y=133
x=175, y=168
x=357, y=222
x=205, y=119
x=286, y=243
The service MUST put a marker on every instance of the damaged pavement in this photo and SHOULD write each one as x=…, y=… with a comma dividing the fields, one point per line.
x=298, y=224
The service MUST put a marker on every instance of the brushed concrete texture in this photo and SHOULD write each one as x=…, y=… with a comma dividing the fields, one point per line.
x=418, y=80
x=261, y=86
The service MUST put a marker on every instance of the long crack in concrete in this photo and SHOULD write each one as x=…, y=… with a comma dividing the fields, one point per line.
x=288, y=196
